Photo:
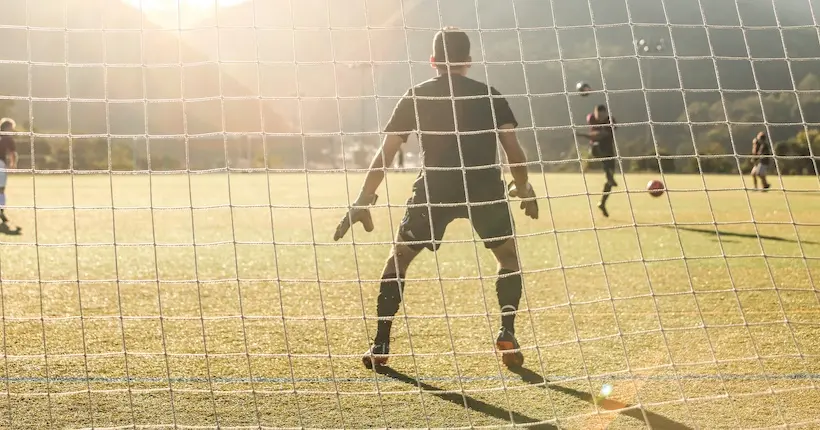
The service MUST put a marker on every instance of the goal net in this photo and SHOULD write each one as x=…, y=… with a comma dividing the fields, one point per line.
x=182, y=166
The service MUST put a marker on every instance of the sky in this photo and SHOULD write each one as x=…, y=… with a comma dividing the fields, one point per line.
x=164, y=12
x=159, y=5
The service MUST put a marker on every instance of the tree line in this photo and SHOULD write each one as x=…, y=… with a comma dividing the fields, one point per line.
x=717, y=137
x=712, y=137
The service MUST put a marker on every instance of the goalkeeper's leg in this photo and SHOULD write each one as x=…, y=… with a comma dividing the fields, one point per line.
x=391, y=290
x=414, y=235
x=493, y=223
x=508, y=288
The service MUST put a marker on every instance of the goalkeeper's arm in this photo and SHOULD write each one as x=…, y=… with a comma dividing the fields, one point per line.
x=384, y=157
x=360, y=212
x=515, y=155
x=518, y=168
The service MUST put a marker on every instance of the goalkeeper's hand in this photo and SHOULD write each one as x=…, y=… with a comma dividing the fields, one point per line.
x=358, y=212
x=528, y=202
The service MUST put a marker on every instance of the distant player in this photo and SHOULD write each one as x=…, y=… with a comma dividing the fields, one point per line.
x=8, y=160
x=602, y=145
x=762, y=152
x=448, y=103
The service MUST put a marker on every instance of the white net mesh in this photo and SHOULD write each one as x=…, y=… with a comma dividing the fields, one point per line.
x=183, y=164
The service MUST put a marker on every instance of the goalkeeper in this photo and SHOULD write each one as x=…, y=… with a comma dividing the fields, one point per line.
x=456, y=169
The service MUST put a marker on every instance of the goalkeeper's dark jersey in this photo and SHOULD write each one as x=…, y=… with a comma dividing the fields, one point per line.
x=439, y=110
x=605, y=147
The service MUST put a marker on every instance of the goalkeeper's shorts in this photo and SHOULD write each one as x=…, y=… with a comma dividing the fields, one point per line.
x=425, y=224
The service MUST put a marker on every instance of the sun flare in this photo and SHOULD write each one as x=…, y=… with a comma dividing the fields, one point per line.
x=157, y=5
x=180, y=13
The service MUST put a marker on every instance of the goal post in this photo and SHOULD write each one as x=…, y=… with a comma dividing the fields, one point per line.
x=183, y=164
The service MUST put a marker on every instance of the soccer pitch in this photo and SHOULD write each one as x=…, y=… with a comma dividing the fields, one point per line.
x=261, y=323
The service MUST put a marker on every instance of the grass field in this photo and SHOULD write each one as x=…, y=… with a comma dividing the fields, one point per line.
x=260, y=323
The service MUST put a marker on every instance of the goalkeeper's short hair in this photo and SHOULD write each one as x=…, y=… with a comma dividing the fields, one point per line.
x=451, y=45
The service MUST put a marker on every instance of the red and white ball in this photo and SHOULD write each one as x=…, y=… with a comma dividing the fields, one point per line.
x=655, y=188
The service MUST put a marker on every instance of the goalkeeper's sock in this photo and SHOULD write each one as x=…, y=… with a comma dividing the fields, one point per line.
x=508, y=288
x=390, y=292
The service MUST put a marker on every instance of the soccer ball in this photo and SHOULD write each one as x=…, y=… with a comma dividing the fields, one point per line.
x=655, y=188
x=583, y=88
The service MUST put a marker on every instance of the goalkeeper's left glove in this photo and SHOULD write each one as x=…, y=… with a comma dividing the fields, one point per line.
x=528, y=201
x=358, y=212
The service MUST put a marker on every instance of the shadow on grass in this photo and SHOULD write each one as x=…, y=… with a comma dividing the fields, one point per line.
x=652, y=419
x=721, y=234
x=468, y=402
x=5, y=229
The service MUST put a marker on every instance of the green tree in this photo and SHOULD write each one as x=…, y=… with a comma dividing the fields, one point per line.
x=806, y=146
x=712, y=158
x=654, y=162
x=164, y=163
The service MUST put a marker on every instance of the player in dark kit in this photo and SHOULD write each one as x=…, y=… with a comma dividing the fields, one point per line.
x=456, y=169
x=762, y=152
x=8, y=160
x=602, y=145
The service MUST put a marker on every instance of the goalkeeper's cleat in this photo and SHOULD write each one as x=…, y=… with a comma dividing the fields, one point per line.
x=507, y=345
x=376, y=356
x=602, y=207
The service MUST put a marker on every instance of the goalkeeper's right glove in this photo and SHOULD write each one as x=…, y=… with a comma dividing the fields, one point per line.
x=528, y=201
x=358, y=212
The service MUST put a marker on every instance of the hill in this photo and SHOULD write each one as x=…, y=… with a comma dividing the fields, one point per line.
x=737, y=61
x=243, y=68
x=96, y=67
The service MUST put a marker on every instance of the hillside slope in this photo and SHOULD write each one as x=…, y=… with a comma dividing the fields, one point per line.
x=108, y=52
x=531, y=51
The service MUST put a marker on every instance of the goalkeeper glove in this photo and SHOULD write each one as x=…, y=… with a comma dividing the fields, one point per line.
x=358, y=212
x=528, y=201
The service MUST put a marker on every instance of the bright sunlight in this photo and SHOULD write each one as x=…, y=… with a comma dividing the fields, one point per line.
x=157, y=5
x=176, y=13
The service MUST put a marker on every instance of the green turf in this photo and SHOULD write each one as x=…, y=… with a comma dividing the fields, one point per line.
x=261, y=323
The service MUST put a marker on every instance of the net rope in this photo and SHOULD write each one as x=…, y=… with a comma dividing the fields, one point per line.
x=232, y=310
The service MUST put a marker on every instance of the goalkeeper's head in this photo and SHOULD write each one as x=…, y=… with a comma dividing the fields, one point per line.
x=451, y=51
